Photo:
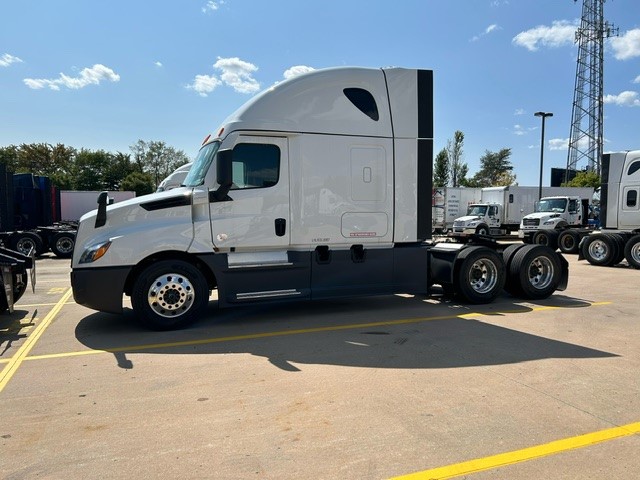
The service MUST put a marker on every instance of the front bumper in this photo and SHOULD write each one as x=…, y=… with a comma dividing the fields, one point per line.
x=100, y=288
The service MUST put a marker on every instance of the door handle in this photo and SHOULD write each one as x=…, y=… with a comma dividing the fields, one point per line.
x=281, y=227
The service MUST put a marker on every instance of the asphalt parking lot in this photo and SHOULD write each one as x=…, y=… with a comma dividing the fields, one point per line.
x=367, y=388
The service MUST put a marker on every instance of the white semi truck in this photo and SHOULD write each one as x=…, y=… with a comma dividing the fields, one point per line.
x=319, y=187
x=619, y=235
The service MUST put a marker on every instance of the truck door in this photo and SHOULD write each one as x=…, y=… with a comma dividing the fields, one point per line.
x=257, y=216
x=629, y=211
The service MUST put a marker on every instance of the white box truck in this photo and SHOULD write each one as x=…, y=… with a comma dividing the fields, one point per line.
x=502, y=208
x=319, y=187
x=450, y=203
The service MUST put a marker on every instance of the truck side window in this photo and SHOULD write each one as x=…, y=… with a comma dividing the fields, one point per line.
x=573, y=206
x=364, y=101
x=633, y=168
x=632, y=198
x=255, y=165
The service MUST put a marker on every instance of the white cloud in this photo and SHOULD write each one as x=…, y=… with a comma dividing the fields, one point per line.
x=623, y=99
x=212, y=6
x=562, y=32
x=158, y=64
x=204, y=84
x=296, y=70
x=491, y=28
x=6, y=60
x=559, y=144
x=637, y=79
x=627, y=46
x=88, y=76
x=518, y=130
x=238, y=74
x=519, y=111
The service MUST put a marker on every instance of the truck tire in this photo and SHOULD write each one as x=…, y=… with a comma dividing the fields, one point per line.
x=600, y=249
x=479, y=275
x=169, y=294
x=619, y=240
x=568, y=241
x=534, y=272
x=548, y=238
x=507, y=257
x=632, y=251
x=62, y=244
x=482, y=230
x=25, y=242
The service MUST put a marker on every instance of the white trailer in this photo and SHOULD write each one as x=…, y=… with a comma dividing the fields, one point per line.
x=74, y=203
x=319, y=187
x=450, y=203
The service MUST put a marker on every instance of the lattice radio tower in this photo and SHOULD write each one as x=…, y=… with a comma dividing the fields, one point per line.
x=586, y=136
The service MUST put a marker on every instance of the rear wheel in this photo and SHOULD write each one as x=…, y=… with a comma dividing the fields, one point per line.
x=600, y=249
x=536, y=271
x=479, y=275
x=507, y=256
x=548, y=238
x=62, y=244
x=632, y=251
x=169, y=294
x=25, y=242
x=568, y=241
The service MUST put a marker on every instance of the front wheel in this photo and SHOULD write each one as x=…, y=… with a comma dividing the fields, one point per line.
x=169, y=294
x=548, y=238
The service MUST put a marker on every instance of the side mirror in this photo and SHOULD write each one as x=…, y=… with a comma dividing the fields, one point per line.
x=224, y=174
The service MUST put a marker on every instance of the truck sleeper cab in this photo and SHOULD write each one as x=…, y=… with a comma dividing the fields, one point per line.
x=319, y=187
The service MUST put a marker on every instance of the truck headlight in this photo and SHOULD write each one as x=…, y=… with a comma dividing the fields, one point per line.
x=94, y=252
x=549, y=222
x=472, y=224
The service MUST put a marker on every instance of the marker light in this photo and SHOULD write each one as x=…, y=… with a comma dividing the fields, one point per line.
x=95, y=252
x=206, y=139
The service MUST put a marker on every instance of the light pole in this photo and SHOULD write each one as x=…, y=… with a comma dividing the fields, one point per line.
x=543, y=115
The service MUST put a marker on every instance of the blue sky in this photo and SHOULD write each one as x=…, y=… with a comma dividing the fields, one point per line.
x=101, y=75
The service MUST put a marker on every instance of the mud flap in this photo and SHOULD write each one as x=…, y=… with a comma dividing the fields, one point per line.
x=564, y=274
x=14, y=262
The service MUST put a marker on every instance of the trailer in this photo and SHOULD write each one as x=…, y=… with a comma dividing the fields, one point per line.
x=319, y=187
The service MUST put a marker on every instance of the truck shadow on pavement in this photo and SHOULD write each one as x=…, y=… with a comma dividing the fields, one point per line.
x=377, y=332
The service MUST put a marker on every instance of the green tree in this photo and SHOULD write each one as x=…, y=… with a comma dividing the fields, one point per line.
x=495, y=169
x=584, y=178
x=118, y=168
x=441, y=169
x=141, y=183
x=157, y=159
x=89, y=168
x=457, y=168
x=9, y=157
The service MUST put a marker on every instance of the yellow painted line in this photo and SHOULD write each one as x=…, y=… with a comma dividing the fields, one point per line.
x=36, y=305
x=526, y=454
x=282, y=333
x=14, y=363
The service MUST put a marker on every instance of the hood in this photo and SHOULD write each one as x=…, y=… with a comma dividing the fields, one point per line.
x=468, y=218
x=541, y=215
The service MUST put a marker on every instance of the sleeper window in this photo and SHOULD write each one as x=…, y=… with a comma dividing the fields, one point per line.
x=255, y=166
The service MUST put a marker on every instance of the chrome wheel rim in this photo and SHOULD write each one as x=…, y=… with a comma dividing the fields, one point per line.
x=598, y=250
x=171, y=295
x=540, y=272
x=483, y=276
x=64, y=245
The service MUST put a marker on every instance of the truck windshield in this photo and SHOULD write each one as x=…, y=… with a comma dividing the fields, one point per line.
x=480, y=210
x=201, y=165
x=556, y=205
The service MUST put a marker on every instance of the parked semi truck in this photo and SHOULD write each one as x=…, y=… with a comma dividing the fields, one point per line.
x=559, y=221
x=501, y=209
x=450, y=203
x=29, y=214
x=619, y=235
x=319, y=187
